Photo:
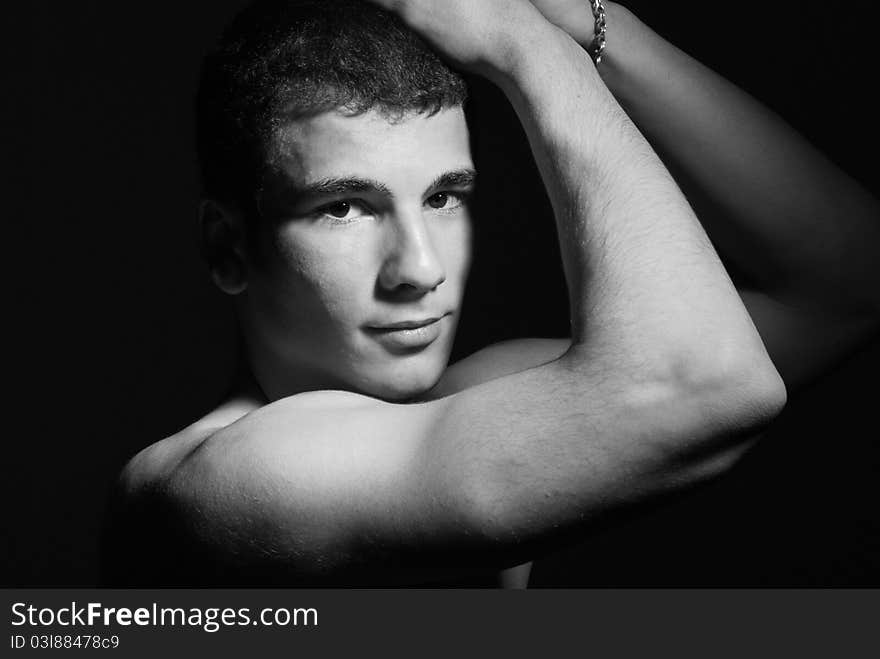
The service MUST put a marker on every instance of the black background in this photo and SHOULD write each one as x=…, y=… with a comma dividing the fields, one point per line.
x=120, y=340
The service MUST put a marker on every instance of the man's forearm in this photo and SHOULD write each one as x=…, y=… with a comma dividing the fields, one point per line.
x=800, y=228
x=643, y=279
x=666, y=369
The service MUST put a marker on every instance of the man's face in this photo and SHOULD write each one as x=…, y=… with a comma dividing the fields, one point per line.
x=362, y=265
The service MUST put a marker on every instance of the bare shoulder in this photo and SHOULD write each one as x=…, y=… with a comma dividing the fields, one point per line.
x=276, y=489
x=158, y=460
x=310, y=427
x=144, y=542
x=288, y=487
x=498, y=360
x=241, y=413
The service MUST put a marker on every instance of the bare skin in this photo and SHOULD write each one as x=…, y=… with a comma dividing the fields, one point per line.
x=665, y=370
x=496, y=361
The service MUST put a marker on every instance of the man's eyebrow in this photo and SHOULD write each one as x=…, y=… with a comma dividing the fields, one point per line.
x=459, y=178
x=348, y=185
x=341, y=186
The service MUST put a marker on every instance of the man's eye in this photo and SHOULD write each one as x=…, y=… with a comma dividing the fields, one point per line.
x=343, y=210
x=446, y=201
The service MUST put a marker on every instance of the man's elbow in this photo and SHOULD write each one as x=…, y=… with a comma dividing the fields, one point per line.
x=711, y=418
x=748, y=391
x=739, y=397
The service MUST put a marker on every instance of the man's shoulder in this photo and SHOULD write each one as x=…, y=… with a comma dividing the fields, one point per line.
x=263, y=435
x=291, y=471
x=157, y=461
x=152, y=464
x=145, y=511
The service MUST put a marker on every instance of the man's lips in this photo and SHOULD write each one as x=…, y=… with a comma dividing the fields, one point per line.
x=406, y=336
x=404, y=324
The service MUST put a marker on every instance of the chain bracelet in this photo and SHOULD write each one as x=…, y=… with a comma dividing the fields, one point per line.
x=597, y=47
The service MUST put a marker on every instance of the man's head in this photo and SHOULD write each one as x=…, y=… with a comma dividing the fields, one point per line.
x=336, y=169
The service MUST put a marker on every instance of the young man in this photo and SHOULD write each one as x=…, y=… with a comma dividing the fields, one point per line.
x=338, y=172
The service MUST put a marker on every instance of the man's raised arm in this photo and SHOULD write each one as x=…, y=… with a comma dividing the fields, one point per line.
x=664, y=383
x=804, y=234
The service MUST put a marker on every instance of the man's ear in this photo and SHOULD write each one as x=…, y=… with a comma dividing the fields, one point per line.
x=223, y=245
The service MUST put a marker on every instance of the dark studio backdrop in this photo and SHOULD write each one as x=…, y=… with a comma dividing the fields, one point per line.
x=123, y=339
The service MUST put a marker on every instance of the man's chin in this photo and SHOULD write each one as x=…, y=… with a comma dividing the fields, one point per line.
x=403, y=388
x=403, y=394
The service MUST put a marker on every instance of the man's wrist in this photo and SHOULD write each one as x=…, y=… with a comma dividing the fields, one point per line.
x=617, y=18
x=597, y=47
x=526, y=53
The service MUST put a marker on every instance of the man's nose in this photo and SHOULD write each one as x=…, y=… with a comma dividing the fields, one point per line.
x=411, y=262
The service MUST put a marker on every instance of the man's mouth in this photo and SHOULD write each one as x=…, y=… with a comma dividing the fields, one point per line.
x=406, y=324
x=406, y=336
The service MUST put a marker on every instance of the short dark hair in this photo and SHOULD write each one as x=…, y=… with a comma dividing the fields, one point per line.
x=284, y=59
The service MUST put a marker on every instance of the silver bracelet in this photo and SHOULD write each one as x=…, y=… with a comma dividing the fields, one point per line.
x=598, y=45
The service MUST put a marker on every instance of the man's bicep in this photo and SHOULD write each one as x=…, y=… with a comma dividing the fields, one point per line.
x=332, y=487
x=319, y=487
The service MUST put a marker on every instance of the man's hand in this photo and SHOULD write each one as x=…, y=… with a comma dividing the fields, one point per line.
x=482, y=37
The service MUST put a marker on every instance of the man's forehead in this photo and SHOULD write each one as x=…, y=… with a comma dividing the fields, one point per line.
x=370, y=143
